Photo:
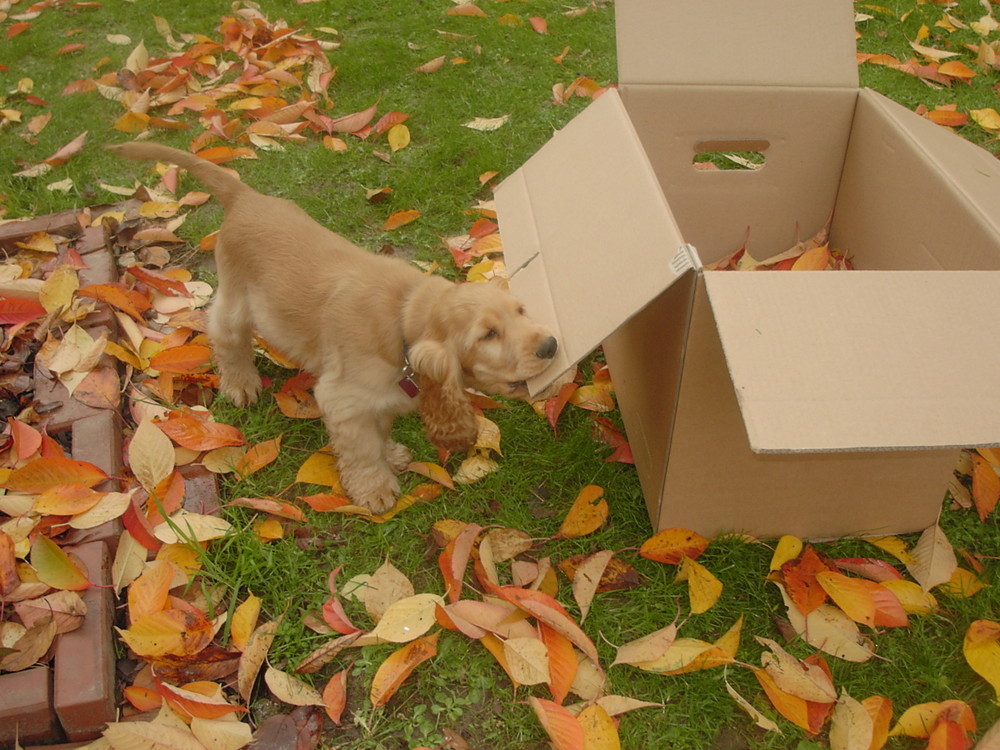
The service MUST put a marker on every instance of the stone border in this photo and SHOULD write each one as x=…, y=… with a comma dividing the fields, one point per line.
x=73, y=697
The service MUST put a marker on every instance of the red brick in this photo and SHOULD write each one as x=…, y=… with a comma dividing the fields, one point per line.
x=97, y=439
x=63, y=224
x=201, y=489
x=25, y=712
x=83, y=691
x=50, y=392
x=90, y=239
x=101, y=269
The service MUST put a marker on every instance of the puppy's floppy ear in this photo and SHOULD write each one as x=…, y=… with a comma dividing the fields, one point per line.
x=445, y=409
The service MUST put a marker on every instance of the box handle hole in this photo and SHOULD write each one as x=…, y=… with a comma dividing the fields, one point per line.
x=713, y=156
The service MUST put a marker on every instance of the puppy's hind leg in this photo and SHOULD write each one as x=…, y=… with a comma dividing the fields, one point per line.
x=359, y=437
x=230, y=329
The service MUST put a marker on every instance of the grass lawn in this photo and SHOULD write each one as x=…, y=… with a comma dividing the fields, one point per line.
x=497, y=65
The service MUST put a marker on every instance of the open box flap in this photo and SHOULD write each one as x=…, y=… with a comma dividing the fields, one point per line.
x=861, y=360
x=588, y=237
x=751, y=42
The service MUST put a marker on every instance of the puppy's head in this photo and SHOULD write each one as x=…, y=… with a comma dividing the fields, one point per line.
x=501, y=345
x=473, y=335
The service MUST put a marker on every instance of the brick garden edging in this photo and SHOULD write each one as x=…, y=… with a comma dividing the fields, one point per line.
x=73, y=696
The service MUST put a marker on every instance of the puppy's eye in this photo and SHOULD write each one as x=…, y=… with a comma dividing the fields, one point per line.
x=491, y=334
x=520, y=310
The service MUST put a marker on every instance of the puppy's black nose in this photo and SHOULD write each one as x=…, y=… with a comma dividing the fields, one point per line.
x=547, y=349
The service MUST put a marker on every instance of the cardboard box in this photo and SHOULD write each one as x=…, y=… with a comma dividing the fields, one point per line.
x=821, y=404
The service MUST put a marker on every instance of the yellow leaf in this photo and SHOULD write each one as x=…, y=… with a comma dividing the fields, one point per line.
x=399, y=137
x=269, y=530
x=894, y=546
x=244, y=621
x=914, y=599
x=320, y=468
x=704, y=589
x=58, y=289
x=987, y=118
x=588, y=514
x=434, y=472
x=982, y=651
x=599, y=730
x=788, y=548
x=962, y=584
x=54, y=567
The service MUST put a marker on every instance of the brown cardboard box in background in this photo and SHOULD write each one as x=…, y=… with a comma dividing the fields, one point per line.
x=820, y=404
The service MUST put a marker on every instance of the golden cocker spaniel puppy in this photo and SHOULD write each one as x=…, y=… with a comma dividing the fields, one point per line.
x=381, y=337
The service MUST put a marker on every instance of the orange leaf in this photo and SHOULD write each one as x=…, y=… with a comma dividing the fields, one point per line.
x=257, y=457
x=17, y=28
x=45, y=472
x=354, y=122
x=150, y=592
x=325, y=502
x=850, y=594
x=560, y=725
x=588, y=513
x=563, y=664
x=880, y=711
x=271, y=505
x=454, y=559
x=799, y=576
x=335, y=696
x=9, y=577
x=199, y=435
x=985, y=486
x=793, y=708
x=222, y=154
x=466, y=9
x=388, y=120
x=956, y=69
x=400, y=218
x=297, y=403
x=54, y=567
x=66, y=500
x=539, y=24
x=672, y=545
x=547, y=610
x=813, y=259
x=176, y=632
x=397, y=667
x=128, y=301
x=67, y=48
x=182, y=359
x=188, y=703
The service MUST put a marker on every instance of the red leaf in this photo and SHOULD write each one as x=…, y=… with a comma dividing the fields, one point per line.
x=159, y=282
x=389, y=119
x=15, y=311
x=555, y=405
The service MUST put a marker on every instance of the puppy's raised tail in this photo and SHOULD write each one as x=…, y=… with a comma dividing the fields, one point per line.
x=223, y=184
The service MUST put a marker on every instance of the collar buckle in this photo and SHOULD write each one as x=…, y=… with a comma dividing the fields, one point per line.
x=408, y=382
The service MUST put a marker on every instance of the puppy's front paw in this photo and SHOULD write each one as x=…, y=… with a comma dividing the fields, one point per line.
x=242, y=391
x=372, y=488
x=398, y=456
